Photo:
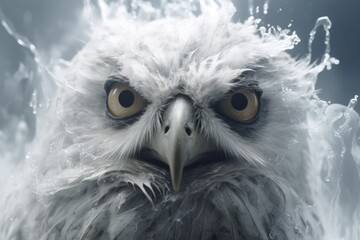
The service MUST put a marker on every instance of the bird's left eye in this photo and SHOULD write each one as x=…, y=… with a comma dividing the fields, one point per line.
x=123, y=101
x=241, y=106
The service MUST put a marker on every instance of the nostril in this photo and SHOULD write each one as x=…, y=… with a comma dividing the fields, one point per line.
x=188, y=130
x=166, y=129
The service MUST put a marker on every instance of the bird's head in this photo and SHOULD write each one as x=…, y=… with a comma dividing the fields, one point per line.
x=184, y=94
x=173, y=123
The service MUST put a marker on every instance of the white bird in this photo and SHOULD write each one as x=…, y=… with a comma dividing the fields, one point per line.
x=176, y=128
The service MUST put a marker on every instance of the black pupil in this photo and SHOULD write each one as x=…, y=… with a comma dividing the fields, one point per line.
x=126, y=98
x=239, y=101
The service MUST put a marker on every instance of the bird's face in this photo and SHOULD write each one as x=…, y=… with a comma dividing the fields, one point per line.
x=184, y=98
x=175, y=123
x=179, y=138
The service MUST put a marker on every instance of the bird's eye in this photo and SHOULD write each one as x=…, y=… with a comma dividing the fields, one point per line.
x=241, y=106
x=123, y=101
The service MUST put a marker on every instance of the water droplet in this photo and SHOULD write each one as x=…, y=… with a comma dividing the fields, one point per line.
x=34, y=102
x=51, y=148
x=251, y=7
x=266, y=6
x=353, y=102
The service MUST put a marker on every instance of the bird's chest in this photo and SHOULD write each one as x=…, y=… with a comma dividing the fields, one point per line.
x=241, y=210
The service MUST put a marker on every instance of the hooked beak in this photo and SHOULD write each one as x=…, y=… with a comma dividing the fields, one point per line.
x=177, y=141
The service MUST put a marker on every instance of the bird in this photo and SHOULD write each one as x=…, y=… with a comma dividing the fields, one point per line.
x=174, y=128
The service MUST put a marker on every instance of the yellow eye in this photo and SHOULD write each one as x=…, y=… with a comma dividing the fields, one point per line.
x=241, y=106
x=123, y=101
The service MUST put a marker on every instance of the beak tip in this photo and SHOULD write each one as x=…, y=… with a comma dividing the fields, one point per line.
x=176, y=184
x=176, y=187
x=176, y=176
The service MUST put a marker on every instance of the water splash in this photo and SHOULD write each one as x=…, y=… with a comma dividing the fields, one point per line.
x=14, y=111
x=251, y=8
x=334, y=132
x=21, y=40
x=45, y=70
x=266, y=6
x=327, y=61
x=353, y=102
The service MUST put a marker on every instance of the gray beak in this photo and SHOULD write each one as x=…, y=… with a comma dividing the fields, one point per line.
x=178, y=142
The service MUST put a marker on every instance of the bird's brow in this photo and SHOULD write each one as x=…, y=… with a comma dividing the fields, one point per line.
x=246, y=80
x=114, y=79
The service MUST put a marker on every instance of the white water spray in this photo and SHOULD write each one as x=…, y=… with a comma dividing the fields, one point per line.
x=265, y=7
x=334, y=130
x=327, y=60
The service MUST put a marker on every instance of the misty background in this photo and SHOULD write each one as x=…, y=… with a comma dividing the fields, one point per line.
x=46, y=24
x=50, y=24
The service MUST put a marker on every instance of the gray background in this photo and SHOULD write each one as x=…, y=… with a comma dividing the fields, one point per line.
x=46, y=22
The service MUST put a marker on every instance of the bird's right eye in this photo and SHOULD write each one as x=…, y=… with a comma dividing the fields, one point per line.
x=241, y=106
x=123, y=101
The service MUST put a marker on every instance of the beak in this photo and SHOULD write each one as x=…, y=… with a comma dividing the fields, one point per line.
x=177, y=141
